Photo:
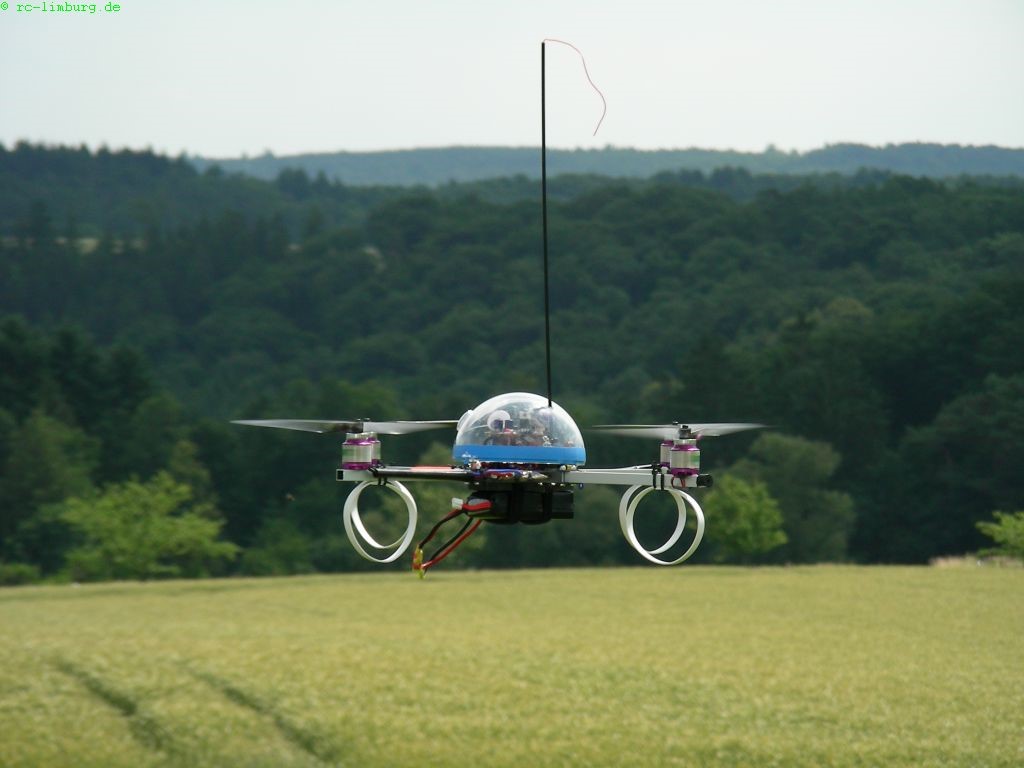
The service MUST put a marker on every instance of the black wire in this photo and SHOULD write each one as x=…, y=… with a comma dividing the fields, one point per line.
x=452, y=540
x=450, y=516
x=544, y=207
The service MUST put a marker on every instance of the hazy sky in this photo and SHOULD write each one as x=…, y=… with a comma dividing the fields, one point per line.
x=226, y=77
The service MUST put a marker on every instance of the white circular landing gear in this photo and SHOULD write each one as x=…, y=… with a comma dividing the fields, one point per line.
x=627, y=511
x=358, y=534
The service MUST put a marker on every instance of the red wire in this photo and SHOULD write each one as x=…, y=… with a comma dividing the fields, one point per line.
x=441, y=556
x=433, y=532
x=586, y=72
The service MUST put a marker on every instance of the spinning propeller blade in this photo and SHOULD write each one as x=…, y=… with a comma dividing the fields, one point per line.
x=322, y=427
x=672, y=431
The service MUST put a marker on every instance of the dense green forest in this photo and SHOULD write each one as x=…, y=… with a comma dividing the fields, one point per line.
x=444, y=164
x=130, y=193
x=875, y=321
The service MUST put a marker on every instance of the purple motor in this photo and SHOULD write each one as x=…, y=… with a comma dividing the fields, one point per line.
x=666, y=447
x=684, y=457
x=361, y=450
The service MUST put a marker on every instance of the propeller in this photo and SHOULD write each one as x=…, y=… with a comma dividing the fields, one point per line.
x=322, y=427
x=673, y=431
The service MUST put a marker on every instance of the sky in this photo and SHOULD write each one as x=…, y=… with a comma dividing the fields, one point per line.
x=225, y=78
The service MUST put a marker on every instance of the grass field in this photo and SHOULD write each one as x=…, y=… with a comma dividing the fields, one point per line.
x=812, y=666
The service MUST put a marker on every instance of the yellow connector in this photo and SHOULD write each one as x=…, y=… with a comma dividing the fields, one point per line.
x=417, y=562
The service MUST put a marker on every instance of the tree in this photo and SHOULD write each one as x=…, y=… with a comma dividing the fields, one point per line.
x=813, y=380
x=145, y=446
x=137, y=530
x=185, y=467
x=817, y=520
x=280, y=548
x=77, y=368
x=47, y=461
x=39, y=225
x=1008, y=532
x=958, y=468
x=744, y=521
x=22, y=367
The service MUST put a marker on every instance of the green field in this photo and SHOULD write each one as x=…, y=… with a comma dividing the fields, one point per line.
x=691, y=666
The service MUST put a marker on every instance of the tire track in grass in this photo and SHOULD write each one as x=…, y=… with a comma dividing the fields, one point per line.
x=142, y=726
x=295, y=734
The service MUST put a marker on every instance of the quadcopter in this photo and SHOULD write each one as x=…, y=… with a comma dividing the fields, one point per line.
x=520, y=455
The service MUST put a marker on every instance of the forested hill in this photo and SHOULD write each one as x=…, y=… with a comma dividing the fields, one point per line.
x=441, y=165
x=127, y=193
x=876, y=322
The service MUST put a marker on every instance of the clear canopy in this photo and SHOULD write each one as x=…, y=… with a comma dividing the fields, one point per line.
x=519, y=427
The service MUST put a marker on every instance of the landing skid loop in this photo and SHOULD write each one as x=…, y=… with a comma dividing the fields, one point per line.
x=357, y=533
x=627, y=510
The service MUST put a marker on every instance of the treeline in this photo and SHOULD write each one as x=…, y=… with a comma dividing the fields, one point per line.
x=875, y=323
x=132, y=194
x=435, y=166
x=135, y=194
